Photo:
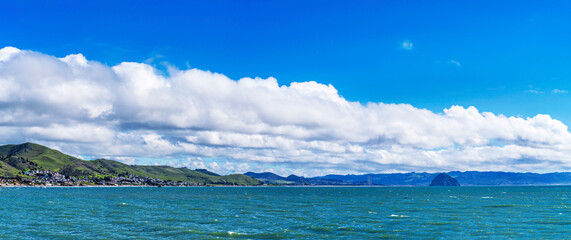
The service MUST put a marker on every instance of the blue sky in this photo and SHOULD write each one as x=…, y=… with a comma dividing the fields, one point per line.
x=510, y=58
x=504, y=49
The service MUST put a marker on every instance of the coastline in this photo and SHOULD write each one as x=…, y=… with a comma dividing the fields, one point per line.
x=266, y=186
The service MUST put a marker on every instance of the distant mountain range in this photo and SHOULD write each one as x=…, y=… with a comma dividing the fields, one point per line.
x=469, y=178
x=16, y=160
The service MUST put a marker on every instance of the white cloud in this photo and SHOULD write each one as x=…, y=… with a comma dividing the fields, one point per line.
x=125, y=160
x=534, y=91
x=196, y=163
x=213, y=166
x=559, y=91
x=454, y=62
x=132, y=111
x=89, y=133
x=7, y=52
x=407, y=45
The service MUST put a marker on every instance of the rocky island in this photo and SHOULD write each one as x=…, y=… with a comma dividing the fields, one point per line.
x=444, y=180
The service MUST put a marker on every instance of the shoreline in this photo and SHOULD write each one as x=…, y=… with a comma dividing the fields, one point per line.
x=261, y=186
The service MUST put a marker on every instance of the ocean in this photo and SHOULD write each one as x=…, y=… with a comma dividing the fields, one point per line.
x=530, y=212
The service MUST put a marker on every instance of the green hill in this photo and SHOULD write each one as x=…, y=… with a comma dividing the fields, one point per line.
x=29, y=156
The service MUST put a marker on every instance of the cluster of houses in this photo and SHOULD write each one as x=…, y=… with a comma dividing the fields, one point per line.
x=51, y=178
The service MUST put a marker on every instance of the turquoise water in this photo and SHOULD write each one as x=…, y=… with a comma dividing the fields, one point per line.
x=285, y=212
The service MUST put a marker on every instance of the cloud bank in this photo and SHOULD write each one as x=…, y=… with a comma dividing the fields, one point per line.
x=194, y=118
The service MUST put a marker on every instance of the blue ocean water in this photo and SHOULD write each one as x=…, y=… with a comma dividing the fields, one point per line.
x=285, y=212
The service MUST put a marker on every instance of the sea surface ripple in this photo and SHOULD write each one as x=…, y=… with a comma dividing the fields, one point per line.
x=285, y=212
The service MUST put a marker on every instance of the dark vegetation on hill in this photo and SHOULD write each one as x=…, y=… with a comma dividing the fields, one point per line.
x=206, y=172
x=265, y=176
x=16, y=159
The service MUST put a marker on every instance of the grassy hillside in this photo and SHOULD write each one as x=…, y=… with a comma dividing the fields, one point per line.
x=30, y=156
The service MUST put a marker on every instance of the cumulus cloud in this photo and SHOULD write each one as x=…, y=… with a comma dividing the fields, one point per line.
x=131, y=111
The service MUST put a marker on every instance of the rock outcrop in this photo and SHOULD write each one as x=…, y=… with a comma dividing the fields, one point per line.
x=444, y=180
